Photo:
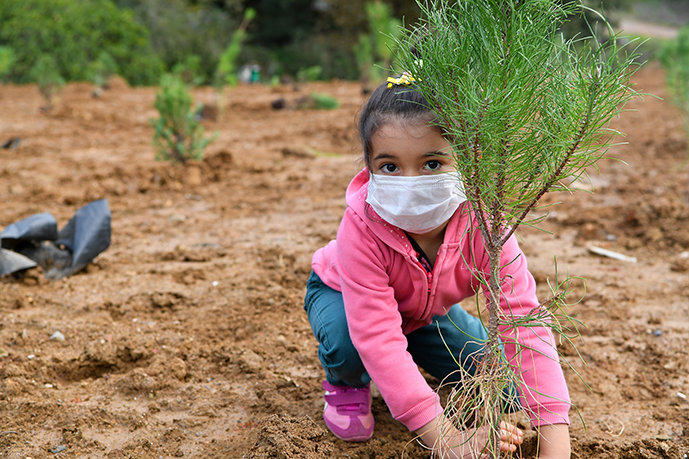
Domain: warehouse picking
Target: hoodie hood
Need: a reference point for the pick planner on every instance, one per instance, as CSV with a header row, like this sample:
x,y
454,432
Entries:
x,y
357,191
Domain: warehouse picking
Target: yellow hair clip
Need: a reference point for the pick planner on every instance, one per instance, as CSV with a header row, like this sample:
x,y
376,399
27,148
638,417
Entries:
x,y
405,79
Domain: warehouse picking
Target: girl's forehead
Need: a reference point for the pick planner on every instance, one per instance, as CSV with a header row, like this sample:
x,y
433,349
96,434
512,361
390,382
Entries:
x,y
400,127
406,125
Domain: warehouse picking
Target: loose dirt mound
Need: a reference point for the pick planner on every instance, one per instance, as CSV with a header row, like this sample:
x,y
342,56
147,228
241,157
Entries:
x,y
186,338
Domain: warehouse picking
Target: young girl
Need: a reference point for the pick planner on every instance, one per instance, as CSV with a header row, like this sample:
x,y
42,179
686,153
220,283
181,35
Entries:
x,y
394,275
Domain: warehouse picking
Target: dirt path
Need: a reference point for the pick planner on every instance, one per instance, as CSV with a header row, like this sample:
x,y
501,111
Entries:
x,y
186,337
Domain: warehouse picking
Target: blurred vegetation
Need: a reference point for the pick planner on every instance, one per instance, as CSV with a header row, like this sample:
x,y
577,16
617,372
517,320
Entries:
x,y
146,38
100,70
46,74
592,21
74,32
226,73
375,49
320,101
178,134
6,60
180,28
674,56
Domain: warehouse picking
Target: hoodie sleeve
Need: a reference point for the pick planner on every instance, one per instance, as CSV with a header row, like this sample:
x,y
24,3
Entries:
x,y
375,325
541,381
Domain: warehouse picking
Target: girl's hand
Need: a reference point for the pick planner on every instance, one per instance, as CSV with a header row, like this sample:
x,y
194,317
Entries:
x,y
554,442
449,443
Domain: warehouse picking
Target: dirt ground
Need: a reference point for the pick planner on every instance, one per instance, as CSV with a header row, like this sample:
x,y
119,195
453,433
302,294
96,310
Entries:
x,y
187,338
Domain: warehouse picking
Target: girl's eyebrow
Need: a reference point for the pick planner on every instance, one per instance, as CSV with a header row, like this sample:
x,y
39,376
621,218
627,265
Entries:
x,y
383,156
430,153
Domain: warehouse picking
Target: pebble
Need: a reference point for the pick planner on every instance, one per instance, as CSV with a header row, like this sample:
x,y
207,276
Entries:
x,y
57,336
657,332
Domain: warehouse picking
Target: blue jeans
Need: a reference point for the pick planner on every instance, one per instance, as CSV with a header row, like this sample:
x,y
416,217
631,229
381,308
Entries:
x,y
340,359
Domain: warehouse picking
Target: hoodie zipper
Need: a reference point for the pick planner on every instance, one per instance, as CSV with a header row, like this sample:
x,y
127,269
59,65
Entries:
x,y
429,282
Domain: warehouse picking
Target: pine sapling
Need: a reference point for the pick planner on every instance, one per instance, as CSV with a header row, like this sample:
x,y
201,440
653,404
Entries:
x,y
178,135
226,73
527,112
46,74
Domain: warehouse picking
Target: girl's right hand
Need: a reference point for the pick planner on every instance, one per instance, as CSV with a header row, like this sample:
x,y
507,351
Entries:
x,y
449,443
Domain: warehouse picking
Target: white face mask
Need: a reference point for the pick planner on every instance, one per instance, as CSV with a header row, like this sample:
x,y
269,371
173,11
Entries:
x,y
416,204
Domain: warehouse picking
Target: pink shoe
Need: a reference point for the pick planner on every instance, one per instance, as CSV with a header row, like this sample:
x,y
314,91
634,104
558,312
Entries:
x,y
348,412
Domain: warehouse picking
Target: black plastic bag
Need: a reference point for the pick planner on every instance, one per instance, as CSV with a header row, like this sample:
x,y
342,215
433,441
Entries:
x,y
62,253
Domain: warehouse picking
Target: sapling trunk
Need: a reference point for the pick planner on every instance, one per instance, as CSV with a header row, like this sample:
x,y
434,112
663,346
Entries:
x,y
527,112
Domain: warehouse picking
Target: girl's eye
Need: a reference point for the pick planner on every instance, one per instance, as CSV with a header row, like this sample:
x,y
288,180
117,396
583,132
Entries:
x,y
388,168
434,165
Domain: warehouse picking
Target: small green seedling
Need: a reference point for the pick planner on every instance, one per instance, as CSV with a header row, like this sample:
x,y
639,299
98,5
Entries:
x,y
321,101
178,135
46,75
226,73
100,71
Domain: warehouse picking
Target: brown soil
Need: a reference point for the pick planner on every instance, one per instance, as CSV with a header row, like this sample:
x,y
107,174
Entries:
x,y
186,338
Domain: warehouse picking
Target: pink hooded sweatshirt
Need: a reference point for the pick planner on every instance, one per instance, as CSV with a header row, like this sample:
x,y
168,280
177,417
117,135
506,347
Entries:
x,y
387,294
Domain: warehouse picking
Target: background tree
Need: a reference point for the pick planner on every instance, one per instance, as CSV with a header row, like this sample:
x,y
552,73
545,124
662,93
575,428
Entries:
x,y
181,28
74,32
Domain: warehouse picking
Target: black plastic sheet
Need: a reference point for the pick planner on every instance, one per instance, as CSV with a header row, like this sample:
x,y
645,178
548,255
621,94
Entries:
x,y
35,241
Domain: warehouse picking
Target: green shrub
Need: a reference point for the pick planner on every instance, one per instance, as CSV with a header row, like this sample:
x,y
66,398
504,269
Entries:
x,y
75,32
178,136
47,76
324,101
312,73
6,60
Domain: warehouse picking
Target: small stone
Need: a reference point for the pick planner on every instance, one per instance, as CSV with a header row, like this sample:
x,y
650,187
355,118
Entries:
x,y
58,449
57,336
657,332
